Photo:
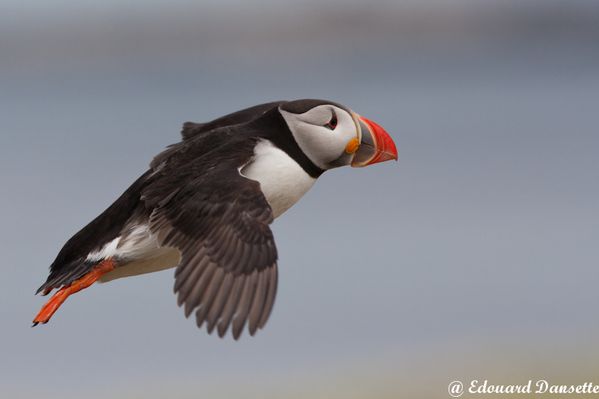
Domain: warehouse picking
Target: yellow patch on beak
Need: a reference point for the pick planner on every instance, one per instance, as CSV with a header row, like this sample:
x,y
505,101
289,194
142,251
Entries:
x,y
352,146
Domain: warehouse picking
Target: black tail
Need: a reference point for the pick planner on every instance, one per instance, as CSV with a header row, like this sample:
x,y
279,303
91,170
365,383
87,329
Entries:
x,y
71,262
65,275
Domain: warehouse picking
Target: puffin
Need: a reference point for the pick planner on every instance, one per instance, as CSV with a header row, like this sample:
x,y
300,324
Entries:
x,y
205,204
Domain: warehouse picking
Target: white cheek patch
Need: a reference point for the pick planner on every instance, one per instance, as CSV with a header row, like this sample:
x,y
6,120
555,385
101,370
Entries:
x,y
321,144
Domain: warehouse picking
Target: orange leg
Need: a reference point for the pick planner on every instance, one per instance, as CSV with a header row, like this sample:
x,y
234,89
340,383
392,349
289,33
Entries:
x,y
62,294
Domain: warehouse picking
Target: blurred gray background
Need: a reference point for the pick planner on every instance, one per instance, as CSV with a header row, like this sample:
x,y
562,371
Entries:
x,y
475,256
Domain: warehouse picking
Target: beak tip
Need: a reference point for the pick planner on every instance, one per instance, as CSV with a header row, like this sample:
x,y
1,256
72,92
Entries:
x,y
385,148
387,156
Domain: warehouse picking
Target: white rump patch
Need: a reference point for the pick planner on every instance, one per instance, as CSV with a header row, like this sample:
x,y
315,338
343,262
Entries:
x,y
165,258
107,251
138,248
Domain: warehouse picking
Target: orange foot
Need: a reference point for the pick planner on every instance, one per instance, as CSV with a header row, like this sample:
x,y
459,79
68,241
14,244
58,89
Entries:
x,y
62,294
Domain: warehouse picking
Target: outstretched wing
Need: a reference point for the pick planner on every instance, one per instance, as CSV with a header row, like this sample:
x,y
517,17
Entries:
x,y
219,221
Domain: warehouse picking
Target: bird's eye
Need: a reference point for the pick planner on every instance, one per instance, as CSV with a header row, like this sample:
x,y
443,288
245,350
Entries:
x,y
332,124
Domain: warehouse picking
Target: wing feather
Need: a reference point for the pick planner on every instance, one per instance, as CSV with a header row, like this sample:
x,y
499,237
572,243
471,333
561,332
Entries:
x,y
219,221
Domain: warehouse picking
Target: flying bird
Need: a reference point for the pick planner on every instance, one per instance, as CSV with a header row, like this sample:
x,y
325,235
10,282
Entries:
x,y
205,206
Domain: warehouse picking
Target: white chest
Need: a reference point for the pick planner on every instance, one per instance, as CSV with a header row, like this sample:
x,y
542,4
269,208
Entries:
x,y
281,179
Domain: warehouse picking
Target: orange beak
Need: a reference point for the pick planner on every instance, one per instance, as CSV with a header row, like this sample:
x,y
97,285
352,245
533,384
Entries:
x,y
375,145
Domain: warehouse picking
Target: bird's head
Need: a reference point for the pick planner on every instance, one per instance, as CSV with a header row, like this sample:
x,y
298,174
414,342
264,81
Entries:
x,y
332,135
